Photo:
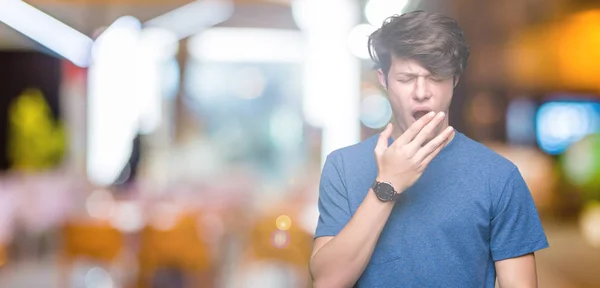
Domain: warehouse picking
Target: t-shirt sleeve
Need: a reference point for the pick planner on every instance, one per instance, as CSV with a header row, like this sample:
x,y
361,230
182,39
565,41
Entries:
x,y
334,209
516,228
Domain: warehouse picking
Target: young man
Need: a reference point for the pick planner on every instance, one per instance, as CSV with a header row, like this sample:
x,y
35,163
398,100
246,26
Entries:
x,y
422,205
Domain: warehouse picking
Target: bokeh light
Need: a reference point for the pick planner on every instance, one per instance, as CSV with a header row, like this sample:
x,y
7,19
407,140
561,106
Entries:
x,y
98,278
590,223
358,40
483,109
520,122
581,163
578,50
559,124
375,111
280,239
376,11
283,222
164,216
100,204
127,217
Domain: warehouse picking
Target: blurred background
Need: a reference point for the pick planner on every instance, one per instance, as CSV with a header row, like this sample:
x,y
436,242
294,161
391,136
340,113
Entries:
x,y
155,143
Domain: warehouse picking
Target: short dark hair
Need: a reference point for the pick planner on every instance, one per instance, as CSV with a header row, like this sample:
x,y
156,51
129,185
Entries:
x,y
433,40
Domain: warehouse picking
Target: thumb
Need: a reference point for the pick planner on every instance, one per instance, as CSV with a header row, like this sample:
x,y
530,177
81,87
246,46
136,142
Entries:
x,y
382,142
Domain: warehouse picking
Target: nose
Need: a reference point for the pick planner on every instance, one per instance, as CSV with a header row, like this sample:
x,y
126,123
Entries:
x,y
421,91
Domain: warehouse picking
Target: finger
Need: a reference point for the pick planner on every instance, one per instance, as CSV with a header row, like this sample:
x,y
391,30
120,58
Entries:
x,y
427,131
429,151
384,136
414,129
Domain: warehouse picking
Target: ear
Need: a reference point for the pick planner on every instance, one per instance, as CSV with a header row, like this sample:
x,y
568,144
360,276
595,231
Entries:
x,y
382,78
456,79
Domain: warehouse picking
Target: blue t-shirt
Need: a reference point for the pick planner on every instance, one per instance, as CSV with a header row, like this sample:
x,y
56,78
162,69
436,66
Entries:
x,y
470,207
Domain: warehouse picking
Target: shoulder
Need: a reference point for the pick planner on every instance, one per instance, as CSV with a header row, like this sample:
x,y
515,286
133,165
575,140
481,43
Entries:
x,y
483,160
494,172
353,168
355,155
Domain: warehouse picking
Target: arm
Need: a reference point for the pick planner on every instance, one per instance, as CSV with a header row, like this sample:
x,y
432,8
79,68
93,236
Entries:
x,y
518,272
516,233
339,261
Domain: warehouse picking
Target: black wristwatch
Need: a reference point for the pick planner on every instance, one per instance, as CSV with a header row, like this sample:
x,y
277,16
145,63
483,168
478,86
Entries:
x,y
384,191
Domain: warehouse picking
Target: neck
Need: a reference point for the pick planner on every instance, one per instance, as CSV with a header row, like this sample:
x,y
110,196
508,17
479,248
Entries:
x,y
397,132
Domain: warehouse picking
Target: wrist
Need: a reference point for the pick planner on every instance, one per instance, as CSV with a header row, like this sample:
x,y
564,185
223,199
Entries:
x,y
398,188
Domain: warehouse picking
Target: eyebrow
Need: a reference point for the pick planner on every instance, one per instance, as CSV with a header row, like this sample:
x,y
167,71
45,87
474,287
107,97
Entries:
x,y
409,74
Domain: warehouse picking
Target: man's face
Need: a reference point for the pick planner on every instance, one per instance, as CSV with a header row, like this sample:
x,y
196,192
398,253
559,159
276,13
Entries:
x,y
413,91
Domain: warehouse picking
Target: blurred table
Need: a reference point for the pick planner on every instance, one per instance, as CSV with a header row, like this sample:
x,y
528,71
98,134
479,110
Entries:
x,y
570,262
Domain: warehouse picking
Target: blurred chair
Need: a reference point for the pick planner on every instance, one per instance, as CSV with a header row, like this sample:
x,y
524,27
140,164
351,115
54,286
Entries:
x,y
3,257
174,253
277,240
269,243
91,240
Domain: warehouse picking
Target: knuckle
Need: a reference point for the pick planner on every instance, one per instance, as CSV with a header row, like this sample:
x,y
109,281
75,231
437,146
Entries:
x,y
431,146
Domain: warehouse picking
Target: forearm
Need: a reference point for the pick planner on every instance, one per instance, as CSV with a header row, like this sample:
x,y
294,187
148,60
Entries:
x,y
529,282
518,272
341,261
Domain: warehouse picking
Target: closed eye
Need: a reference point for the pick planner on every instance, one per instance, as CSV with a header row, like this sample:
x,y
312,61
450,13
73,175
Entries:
x,y
406,80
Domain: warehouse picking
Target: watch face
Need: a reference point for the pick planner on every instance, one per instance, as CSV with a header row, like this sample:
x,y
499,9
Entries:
x,y
385,191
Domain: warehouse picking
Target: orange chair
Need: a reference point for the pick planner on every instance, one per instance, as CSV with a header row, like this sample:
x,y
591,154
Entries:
x,y
2,255
179,247
268,242
97,241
